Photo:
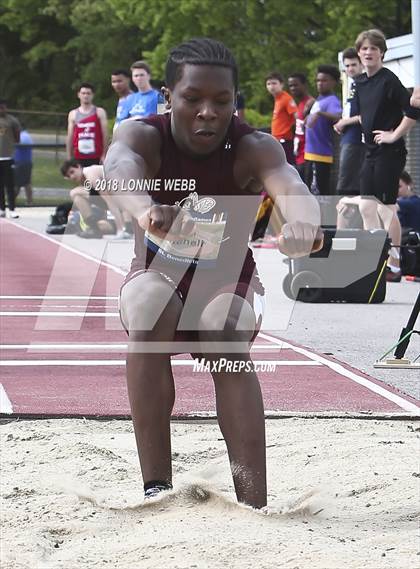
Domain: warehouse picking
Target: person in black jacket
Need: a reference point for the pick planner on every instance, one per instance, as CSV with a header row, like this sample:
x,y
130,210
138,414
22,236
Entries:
x,y
386,116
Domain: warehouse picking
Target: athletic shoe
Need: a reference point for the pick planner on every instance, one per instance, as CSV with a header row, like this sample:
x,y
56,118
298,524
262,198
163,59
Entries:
x,y
2,213
121,235
153,489
13,215
392,277
90,233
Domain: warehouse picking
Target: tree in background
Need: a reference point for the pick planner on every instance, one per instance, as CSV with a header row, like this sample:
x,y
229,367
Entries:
x,y
49,46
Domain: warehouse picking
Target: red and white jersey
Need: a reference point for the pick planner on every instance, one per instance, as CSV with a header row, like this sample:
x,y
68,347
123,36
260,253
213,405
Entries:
x,y
87,135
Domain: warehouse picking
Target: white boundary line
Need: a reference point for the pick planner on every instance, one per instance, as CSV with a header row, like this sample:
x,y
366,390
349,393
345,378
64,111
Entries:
x,y
41,314
190,363
71,249
95,347
5,404
399,401
52,297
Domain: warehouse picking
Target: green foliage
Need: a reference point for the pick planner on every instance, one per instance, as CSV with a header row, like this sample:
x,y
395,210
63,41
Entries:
x,y
48,46
259,120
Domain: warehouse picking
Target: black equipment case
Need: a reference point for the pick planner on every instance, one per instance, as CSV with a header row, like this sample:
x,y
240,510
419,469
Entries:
x,y
351,267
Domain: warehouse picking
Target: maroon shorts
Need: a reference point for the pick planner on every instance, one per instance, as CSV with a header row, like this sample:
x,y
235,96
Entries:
x,y
206,291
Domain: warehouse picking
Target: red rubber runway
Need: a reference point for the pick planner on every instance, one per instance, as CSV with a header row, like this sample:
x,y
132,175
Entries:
x,y
63,347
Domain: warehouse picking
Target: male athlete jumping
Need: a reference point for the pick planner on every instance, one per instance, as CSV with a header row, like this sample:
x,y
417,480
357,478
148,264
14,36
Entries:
x,y
193,278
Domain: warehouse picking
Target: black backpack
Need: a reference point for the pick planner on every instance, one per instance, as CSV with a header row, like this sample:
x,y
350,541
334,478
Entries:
x,y
58,220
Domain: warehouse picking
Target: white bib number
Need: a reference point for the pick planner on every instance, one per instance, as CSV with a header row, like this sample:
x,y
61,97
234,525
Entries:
x,y
86,145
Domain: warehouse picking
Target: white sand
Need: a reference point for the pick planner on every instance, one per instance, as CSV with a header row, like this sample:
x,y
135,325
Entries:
x,y
72,493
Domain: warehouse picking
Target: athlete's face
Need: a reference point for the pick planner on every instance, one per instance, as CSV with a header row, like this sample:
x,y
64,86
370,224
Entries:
x,y
352,67
75,173
120,84
274,86
141,79
325,84
296,87
85,96
203,103
370,56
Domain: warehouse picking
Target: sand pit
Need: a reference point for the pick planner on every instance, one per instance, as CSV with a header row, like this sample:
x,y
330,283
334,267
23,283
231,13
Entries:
x,y
343,493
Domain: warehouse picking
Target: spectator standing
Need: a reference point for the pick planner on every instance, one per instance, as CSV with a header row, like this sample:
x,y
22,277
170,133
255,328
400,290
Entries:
x,y
386,116
319,141
9,136
352,149
145,102
23,165
120,81
87,130
298,87
283,120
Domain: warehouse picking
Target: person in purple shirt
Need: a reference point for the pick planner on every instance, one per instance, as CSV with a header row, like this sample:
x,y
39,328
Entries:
x,y
319,131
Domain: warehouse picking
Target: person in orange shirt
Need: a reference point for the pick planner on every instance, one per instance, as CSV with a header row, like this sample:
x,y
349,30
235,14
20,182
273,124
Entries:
x,y
284,114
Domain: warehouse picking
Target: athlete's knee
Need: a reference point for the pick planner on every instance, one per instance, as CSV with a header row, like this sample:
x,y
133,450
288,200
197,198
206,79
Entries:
x,y
77,193
228,319
144,310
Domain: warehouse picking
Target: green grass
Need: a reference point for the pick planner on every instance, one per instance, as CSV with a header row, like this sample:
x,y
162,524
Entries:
x,y
46,173
41,201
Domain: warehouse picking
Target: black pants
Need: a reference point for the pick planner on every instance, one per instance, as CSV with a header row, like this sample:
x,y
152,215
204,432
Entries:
x,y
351,160
381,172
322,172
7,185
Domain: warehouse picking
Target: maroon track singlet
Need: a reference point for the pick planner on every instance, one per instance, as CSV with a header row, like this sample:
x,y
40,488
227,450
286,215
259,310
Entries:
x,y
217,253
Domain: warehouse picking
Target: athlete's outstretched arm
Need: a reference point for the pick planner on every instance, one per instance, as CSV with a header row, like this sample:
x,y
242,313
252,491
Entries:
x,y
133,156
125,161
300,234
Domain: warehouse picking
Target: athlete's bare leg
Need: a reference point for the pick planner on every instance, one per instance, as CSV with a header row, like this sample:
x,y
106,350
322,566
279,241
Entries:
x,y
80,199
239,404
116,212
149,375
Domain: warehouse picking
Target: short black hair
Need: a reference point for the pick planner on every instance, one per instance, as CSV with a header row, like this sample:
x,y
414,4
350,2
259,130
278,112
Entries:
x,y
198,51
330,70
121,72
406,178
350,53
86,86
72,163
300,76
274,75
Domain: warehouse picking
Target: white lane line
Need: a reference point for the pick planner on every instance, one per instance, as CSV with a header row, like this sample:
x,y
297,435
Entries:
x,y
27,363
63,314
381,391
53,297
5,404
94,347
72,249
